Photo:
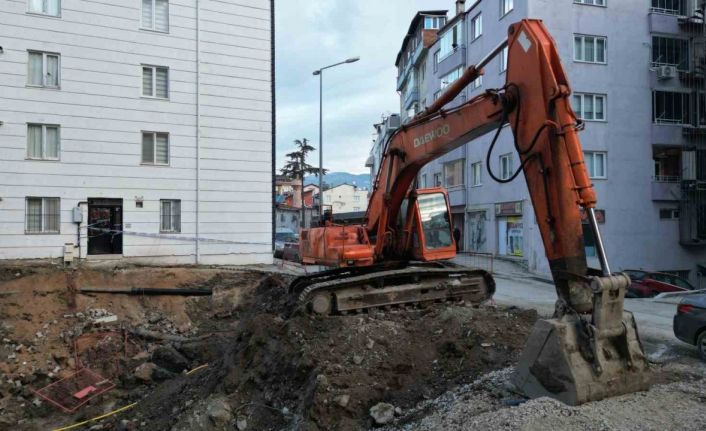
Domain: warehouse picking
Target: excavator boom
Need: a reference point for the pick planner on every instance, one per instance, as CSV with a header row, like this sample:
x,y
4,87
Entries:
x,y
590,349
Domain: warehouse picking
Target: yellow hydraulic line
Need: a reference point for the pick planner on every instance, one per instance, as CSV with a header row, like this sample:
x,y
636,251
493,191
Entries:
x,y
121,409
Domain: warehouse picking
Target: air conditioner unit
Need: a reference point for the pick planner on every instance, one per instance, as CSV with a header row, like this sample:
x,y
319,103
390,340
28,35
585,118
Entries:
x,y
666,72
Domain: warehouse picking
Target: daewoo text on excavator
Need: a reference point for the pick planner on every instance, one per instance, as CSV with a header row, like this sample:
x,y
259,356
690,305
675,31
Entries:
x,y
590,349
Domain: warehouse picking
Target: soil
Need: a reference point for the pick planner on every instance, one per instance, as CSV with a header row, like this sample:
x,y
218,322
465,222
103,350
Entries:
x,y
268,368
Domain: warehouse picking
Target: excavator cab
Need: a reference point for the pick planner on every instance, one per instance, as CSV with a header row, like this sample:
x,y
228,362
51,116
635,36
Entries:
x,y
433,232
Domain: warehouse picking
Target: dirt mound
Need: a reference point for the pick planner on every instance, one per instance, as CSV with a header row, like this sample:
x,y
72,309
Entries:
x,y
315,373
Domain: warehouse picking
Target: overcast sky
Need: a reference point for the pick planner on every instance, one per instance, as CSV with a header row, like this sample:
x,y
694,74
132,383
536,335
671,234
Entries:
x,y
311,34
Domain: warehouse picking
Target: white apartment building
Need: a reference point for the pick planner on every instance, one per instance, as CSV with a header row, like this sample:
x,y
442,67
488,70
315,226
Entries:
x,y
345,198
137,128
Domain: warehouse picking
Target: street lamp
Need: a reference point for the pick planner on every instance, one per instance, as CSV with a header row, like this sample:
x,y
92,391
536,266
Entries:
x,y
320,73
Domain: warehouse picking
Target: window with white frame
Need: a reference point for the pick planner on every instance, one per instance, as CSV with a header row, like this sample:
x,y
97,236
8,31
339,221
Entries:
x,y
596,163
155,148
669,213
451,77
670,7
434,22
453,173
155,15
437,179
590,107
43,141
45,7
155,82
42,215
423,182
506,6
506,166
503,60
450,40
170,215
590,49
43,69
591,2
670,107
670,51
476,174
356,198
356,208
477,83
436,61
477,26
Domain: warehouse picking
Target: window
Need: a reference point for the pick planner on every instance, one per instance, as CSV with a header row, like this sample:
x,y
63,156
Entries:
x,y
46,7
453,173
423,181
505,7
477,82
155,82
595,163
590,107
42,215
671,7
155,148
477,26
503,60
42,142
437,179
170,214
155,15
450,77
667,51
591,2
590,49
506,166
476,174
356,208
356,198
434,22
43,69
437,94
436,61
670,108
669,213
450,40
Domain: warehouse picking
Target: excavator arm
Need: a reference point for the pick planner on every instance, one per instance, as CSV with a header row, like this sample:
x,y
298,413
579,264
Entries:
x,y
590,349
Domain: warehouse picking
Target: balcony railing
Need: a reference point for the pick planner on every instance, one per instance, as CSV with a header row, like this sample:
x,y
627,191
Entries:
x,y
666,11
666,188
666,178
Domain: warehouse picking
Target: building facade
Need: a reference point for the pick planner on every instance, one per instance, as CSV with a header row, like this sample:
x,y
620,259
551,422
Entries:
x,y
345,198
140,129
637,72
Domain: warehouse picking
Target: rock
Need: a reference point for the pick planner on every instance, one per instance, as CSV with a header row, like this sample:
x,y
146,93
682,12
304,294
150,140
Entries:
x,y
486,344
219,412
106,319
159,374
321,380
144,371
143,355
241,424
370,344
343,400
382,413
357,359
168,358
398,411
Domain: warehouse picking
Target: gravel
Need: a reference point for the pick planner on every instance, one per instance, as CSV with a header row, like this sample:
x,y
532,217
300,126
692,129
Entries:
x,y
488,403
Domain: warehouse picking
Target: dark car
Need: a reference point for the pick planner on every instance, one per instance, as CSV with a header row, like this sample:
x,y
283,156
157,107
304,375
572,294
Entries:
x,y
647,284
690,322
291,252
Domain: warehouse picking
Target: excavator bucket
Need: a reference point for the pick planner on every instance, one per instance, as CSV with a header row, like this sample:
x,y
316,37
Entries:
x,y
576,359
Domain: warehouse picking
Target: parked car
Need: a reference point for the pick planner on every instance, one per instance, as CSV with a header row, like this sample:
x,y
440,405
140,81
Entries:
x,y
647,284
291,252
690,322
283,236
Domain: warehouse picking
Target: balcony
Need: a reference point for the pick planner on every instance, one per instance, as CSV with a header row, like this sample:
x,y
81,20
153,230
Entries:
x,y
410,63
411,97
663,21
666,188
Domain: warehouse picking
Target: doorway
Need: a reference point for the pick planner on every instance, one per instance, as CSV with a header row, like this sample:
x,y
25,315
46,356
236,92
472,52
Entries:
x,y
105,226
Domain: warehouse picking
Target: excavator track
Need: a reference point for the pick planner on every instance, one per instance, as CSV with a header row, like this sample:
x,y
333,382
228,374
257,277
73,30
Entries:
x,y
342,291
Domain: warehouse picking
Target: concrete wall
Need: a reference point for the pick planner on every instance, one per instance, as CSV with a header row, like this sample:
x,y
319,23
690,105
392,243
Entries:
x,y
635,236
346,198
101,113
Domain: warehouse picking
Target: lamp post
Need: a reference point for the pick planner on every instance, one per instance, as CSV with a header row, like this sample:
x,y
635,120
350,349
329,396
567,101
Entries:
x,y
320,72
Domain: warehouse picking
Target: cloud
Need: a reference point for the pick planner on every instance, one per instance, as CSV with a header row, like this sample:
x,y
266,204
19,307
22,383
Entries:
x,y
316,33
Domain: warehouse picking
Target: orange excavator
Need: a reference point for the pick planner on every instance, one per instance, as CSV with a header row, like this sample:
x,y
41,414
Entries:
x,y
590,349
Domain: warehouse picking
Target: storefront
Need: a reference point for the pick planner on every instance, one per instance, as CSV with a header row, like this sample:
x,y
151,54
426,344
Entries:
x,y
476,231
508,216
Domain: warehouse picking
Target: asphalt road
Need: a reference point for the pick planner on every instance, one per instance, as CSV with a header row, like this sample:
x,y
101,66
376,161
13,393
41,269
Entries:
x,y
654,318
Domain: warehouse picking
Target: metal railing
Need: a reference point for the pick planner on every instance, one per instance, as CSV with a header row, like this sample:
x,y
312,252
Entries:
x,y
666,178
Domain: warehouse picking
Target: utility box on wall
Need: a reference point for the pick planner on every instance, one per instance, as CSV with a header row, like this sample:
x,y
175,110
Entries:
x,y
77,215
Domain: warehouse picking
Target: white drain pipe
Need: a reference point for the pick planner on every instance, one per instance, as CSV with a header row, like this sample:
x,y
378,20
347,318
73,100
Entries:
x,y
198,129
